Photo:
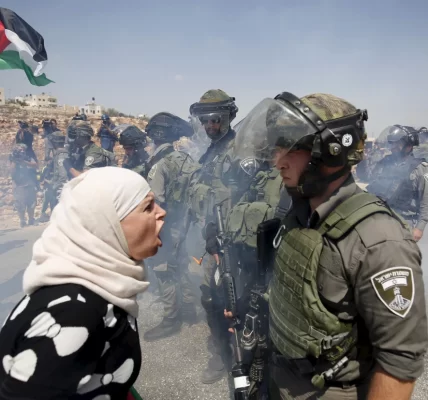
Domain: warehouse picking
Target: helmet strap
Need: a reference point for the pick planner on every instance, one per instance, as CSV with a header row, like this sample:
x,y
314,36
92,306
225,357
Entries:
x,y
312,183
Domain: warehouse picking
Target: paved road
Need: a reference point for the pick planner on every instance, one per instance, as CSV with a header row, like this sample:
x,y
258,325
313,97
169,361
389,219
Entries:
x,y
171,367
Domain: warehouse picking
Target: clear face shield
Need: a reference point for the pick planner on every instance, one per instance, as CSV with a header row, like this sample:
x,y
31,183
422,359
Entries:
x,y
270,126
390,137
214,124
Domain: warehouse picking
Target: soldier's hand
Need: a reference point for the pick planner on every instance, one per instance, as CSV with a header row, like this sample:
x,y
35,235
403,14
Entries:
x,y
210,236
229,315
67,164
417,234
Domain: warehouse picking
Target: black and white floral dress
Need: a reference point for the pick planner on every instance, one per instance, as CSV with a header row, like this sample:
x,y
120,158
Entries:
x,y
66,342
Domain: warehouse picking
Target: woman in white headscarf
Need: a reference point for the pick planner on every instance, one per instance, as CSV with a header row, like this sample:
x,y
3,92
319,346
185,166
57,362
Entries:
x,y
74,335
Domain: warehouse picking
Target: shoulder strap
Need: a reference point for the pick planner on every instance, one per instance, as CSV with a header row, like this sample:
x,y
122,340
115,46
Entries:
x,y
160,153
415,163
352,211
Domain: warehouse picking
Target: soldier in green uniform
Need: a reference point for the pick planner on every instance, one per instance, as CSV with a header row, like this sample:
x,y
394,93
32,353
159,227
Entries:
x,y
400,177
212,116
133,141
346,300
168,176
91,156
48,195
60,154
23,171
58,176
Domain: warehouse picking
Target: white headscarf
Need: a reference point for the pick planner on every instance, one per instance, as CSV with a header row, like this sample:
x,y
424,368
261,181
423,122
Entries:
x,y
84,242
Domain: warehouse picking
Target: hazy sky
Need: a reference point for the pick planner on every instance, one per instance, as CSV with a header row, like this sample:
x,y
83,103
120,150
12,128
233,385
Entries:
x,y
151,56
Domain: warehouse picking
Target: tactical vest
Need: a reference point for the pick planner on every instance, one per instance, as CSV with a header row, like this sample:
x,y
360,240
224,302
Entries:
x,y
393,184
59,173
267,187
208,189
259,206
181,168
300,325
109,158
23,175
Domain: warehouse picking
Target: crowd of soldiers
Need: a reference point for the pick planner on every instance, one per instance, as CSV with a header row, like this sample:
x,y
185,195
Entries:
x,y
333,311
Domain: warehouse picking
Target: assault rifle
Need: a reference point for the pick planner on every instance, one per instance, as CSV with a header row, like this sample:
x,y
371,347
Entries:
x,y
241,379
248,381
255,334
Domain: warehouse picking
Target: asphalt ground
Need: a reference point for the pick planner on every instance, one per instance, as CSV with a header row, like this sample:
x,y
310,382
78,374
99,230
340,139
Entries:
x,y
171,367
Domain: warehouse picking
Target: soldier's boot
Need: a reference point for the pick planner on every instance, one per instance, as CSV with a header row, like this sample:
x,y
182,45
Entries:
x,y
31,220
215,369
44,217
22,219
168,327
171,322
188,313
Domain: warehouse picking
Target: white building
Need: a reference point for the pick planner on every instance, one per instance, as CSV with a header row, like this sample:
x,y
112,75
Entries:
x,y
2,98
39,100
91,108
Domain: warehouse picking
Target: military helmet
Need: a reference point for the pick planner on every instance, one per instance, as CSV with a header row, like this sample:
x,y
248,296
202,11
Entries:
x,y
166,127
130,135
406,135
328,126
105,117
79,129
23,124
423,135
215,104
57,137
19,150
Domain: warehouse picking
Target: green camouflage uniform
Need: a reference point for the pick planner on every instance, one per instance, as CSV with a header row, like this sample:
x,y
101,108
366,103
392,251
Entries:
x,y
96,157
25,183
91,156
168,178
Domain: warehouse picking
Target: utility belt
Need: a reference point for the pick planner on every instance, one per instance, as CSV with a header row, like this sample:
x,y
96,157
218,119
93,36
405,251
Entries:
x,y
307,368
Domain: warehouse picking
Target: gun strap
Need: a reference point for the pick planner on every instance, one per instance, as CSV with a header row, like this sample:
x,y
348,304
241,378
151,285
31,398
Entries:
x,y
284,204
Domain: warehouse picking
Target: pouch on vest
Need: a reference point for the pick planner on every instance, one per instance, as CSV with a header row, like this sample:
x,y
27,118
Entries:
x,y
242,222
185,169
300,325
109,158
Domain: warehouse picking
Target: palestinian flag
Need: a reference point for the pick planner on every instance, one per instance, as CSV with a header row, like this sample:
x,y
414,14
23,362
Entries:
x,y
21,47
133,395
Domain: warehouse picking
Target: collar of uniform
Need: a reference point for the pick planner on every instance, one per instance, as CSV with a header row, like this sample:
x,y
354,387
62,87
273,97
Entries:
x,y
302,211
88,145
160,149
225,139
344,192
222,143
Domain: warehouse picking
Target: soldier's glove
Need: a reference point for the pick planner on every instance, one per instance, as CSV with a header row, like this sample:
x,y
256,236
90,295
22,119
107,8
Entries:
x,y
210,235
67,164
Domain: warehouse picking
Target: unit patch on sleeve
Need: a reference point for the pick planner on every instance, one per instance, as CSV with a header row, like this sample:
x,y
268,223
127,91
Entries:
x,y
395,288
